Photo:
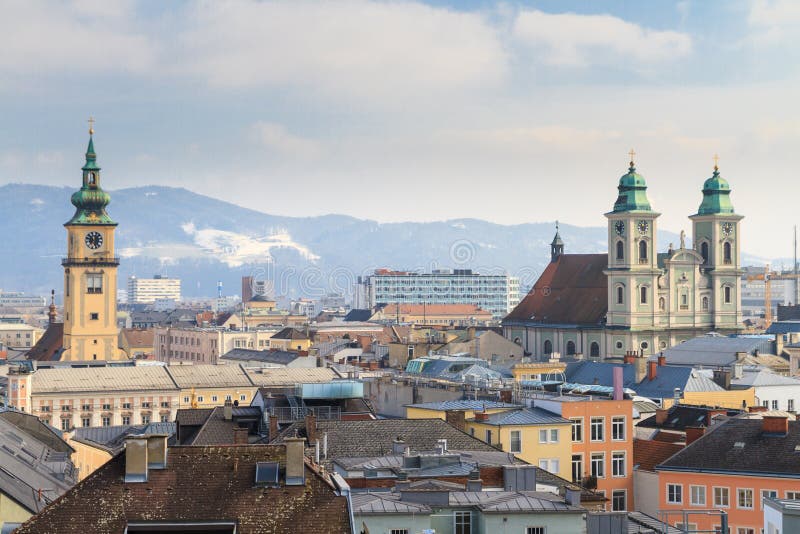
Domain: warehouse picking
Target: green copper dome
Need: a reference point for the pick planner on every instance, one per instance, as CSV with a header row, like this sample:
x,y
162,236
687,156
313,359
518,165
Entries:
x,y
632,192
90,200
716,196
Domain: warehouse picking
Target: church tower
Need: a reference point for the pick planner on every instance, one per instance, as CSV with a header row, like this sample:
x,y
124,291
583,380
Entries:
x,y
715,230
557,246
632,260
90,272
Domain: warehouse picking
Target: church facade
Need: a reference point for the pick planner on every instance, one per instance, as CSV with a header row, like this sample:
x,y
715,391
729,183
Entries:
x,y
635,298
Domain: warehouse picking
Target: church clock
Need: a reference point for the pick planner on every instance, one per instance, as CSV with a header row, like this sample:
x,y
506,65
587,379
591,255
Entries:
x,y
619,227
643,227
727,229
94,240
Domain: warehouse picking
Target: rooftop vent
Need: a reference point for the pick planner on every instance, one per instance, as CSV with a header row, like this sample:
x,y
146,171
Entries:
x,y
738,445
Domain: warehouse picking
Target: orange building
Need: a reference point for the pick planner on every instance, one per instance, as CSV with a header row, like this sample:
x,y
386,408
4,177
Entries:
x,y
602,442
733,468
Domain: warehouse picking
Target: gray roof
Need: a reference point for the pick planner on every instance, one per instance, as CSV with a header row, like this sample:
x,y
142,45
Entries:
x,y
384,503
763,377
714,351
28,465
525,416
112,438
278,357
463,405
468,459
784,327
485,501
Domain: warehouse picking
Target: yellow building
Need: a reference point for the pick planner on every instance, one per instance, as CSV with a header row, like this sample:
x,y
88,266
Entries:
x,y
87,456
290,339
90,273
137,343
533,435
207,386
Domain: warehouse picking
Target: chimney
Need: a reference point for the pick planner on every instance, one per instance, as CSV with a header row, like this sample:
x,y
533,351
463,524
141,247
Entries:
x,y
710,414
136,458
629,357
474,482
240,435
470,333
662,360
757,409
723,378
402,481
481,416
456,419
652,370
441,446
693,433
640,364
398,445
311,426
661,415
572,495
295,461
157,451
775,424
505,395
618,383
227,410
273,427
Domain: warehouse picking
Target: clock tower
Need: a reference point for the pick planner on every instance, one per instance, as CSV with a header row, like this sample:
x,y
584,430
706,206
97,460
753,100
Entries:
x,y
90,272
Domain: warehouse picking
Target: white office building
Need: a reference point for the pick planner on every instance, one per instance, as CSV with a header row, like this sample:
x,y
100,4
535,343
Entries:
x,y
148,290
496,293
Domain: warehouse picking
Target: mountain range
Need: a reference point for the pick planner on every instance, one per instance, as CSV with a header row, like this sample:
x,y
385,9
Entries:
x,y
201,240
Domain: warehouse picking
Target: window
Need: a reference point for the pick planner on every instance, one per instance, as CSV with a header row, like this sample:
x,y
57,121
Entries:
x,y
186,400
721,497
745,530
106,421
543,436
126,420
744,498
794,495
536,530
620,295
213,398
94,316
165,404
618,464
790,405
705,303
577,467
45,408
489,437
65,424
618,428
200,398
597,428
549,464
704,252
94,283
570,348
399,531
577,430
662,304
553,435
726,253
727,294
620,251
86,407
697,495
675,493
106,406
598,465
462,522
684,301
618,499
145,419
85,422
227,397
548,347
774,405
768,494
594,349
516,441
165,419
242,397
642,251
643,295
126,405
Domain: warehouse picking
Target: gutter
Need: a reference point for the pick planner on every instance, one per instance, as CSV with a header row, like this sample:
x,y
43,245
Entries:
x,y
344,490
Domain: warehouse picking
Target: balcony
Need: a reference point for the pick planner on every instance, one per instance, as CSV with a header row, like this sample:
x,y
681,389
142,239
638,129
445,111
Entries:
x,y
107,261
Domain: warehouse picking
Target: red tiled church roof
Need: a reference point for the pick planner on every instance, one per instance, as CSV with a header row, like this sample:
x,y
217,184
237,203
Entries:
x,y
48,347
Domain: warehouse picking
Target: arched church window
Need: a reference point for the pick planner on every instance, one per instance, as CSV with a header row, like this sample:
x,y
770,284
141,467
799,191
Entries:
x,y
662,304
705,303
594,349
726,253
620,251
548,347
570,348
643,295
704,252
642,251
620,295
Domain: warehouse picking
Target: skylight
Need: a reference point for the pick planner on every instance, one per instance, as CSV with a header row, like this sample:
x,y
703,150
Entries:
x,y
267,474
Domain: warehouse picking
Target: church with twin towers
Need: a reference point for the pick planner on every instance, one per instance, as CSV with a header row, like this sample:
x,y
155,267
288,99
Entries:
x,y
640,296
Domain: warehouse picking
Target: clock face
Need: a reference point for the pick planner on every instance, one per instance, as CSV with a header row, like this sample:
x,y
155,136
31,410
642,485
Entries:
x,y
619,227
93,240
727,228
643,227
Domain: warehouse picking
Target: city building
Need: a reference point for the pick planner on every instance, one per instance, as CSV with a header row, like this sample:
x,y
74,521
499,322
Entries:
x,y
635,298
150,290
206,344
735,468
781,515
498,294
252,287
137,343
433,314
242,489
290,339
19,335
269,358
17,299
35,467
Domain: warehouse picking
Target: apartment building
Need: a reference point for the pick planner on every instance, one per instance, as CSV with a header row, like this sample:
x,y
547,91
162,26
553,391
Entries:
x,y
206,344
149,290
19,335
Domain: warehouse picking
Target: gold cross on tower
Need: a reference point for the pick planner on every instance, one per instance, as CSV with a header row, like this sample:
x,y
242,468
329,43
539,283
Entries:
x,y
716,162
631,154
91,125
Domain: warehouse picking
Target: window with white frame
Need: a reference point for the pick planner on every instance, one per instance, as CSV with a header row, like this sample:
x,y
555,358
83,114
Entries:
x,y
697,495
618,464
722,498
462,521
516,441
577,430
744,498
598,464
768,494
793,495
618,500
553,435
94,283
597,428
618,428
745,530
790,405
775,405
675,493
577,467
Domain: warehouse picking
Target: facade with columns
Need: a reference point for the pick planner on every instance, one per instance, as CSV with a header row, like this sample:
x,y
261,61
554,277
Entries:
x,y
635,298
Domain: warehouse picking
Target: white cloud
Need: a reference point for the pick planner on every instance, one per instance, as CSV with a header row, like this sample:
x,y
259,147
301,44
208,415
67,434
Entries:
x,y
773,21
276,138
525,139
570,39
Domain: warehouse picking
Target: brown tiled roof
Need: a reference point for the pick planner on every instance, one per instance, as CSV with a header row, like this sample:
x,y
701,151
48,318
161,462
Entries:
x,y
571,290
669,437
49,346
138,337
647,454
290,333
199,484
192,416
434,309
216,430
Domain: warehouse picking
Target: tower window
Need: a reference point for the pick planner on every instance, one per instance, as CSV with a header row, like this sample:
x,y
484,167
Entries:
x,y
643,295
662,304
704,252
726,253
684,301
94,283
548,347
705,303
620,295
642,251
620,251
94,316
727,294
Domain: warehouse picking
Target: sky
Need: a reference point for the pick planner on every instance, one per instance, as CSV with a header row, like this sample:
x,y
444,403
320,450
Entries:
x,y
510,112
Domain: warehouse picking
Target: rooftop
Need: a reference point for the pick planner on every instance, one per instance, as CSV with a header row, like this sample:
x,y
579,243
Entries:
x,y
525,416
276,357
475,405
